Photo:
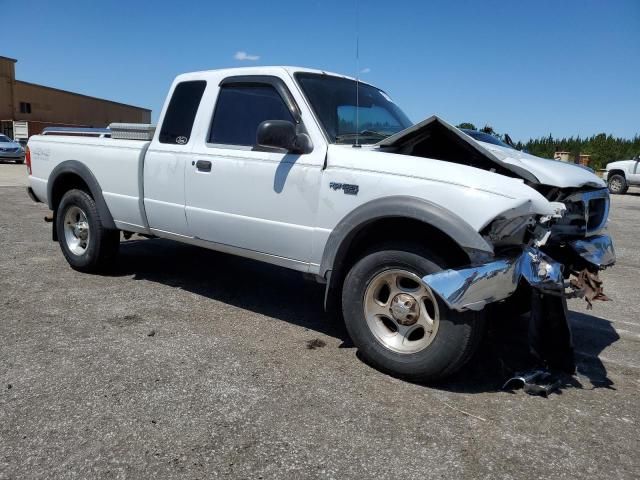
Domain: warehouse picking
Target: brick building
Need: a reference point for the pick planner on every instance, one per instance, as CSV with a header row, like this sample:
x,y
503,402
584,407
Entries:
x,y
26,108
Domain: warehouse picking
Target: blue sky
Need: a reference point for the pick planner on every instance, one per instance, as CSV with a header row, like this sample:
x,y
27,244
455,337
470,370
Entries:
x,y
526,68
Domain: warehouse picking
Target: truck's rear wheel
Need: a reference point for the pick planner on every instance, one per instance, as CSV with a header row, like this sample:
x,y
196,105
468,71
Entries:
x,y
85,243
398,324
617,184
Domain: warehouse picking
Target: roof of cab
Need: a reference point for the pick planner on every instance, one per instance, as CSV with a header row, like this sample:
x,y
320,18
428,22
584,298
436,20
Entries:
x,y
262,70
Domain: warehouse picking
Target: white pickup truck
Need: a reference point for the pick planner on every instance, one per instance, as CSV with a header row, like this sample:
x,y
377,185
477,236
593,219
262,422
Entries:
x,y
623,174
414,228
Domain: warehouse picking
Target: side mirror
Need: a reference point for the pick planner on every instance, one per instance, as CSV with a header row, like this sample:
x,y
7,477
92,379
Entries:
x,y
282,134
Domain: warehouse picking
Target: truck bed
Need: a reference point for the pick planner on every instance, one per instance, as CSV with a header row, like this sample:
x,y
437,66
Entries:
x,y
118,164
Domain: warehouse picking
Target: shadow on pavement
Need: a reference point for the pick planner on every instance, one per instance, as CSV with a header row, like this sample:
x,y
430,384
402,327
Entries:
x,y
505,351
591,335
251,285
280,293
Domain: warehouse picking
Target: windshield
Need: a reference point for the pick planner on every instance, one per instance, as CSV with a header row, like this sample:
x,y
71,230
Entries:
x,y
371,117
4,139
486,138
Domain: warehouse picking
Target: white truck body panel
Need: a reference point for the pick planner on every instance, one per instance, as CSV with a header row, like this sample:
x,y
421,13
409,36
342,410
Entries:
x,y
164,194
117,165
435,180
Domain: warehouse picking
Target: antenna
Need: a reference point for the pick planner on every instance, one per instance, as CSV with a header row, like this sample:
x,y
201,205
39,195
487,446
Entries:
x,y
357,144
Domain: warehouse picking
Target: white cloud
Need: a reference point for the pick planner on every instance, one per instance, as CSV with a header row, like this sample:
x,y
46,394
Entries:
x,y
244,56
365,70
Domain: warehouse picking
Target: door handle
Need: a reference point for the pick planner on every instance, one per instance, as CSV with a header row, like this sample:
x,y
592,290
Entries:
x,y
203,165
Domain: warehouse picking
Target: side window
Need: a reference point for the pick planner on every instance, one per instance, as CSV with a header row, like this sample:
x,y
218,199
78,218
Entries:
x,y
25,107
241,108
178,121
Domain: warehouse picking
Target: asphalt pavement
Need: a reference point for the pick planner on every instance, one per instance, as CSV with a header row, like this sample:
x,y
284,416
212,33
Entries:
x,y
186,363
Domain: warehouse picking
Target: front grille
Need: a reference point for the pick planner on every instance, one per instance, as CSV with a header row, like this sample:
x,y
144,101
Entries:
x,y
586,213
596,204
596,214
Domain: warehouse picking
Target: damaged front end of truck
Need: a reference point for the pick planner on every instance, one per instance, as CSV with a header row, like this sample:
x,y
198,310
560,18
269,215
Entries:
x,y
551,270
548,256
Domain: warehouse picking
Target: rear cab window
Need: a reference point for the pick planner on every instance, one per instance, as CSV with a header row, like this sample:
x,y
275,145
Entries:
x,y
181,112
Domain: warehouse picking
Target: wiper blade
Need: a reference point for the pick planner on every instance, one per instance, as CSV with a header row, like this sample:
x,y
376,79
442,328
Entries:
x,y
362,134
373,132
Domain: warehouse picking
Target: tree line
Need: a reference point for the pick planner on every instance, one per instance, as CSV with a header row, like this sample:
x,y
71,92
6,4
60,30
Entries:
x,y
603,148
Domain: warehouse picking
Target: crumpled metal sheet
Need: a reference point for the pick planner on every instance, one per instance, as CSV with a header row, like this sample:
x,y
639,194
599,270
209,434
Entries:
x,y
588,285
534,382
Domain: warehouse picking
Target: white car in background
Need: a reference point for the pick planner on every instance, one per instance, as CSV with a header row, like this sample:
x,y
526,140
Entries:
x,y
10,150
622,174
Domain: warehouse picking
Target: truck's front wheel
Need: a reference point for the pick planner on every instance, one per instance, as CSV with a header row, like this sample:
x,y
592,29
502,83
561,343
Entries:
x,y
85,243
398,324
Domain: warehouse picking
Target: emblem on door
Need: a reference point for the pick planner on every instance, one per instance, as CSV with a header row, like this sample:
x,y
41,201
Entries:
x,y
181,140
347,188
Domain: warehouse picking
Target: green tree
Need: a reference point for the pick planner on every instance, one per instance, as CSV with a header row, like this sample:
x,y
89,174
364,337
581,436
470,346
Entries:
x,y
603,148
467,126
488,129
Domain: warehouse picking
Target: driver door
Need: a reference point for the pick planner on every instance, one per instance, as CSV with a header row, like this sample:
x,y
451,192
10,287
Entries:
x,y
247,197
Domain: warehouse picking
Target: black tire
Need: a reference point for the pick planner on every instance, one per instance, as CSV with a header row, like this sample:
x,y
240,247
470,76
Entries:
x,y
102,246
617,184
457,337
20,161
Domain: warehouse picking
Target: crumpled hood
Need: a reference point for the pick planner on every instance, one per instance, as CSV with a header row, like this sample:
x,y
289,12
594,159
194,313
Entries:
x,y
445,137
548,172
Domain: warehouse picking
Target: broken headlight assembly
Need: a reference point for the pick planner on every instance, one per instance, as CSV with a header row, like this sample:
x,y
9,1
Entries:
x,y
525,229
509,231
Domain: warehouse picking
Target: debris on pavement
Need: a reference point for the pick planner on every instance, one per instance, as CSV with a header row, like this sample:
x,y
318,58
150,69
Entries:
x,y
534,382
463,412
315,343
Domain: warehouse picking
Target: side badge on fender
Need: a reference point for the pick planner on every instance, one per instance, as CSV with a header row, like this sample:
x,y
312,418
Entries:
x,y
347,188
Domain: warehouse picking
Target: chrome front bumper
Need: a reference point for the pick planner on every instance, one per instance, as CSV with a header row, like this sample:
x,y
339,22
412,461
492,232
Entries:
x,y
596,250
474,287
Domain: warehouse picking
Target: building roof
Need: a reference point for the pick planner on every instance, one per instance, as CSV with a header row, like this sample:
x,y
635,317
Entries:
x,y
82,95
72,93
